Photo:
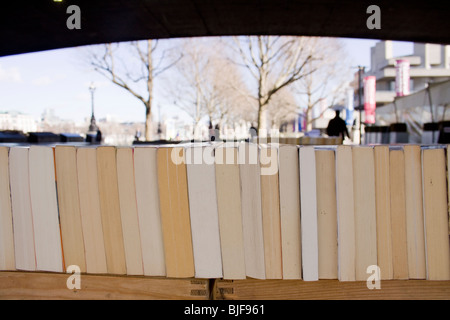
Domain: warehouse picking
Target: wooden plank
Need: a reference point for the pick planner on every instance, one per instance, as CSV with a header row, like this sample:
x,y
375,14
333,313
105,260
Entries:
x,y
252,289
52,286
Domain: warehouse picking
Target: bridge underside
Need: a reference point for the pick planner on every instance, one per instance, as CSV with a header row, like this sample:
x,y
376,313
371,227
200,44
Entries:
x,y
41,25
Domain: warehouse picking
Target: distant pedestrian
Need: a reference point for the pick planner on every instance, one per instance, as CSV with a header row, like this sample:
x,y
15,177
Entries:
x,y
217,132
253,132
98,137
137,136
212,132
337,127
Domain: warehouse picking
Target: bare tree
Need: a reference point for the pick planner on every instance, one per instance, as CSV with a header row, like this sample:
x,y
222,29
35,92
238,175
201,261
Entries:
x,y
190,86
204,83
135,73
326,79
273,62
227,104
282,108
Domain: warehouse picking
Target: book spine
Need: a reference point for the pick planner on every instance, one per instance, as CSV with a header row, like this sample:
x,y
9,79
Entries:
x,y
345,214
308,201
435,214
365,210
110,210
44,206
69,207
7,259
383,212
148,206
230,213
290,212
271,213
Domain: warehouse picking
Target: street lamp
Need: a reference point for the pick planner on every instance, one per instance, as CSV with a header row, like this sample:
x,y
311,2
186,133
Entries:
x,y
159,122
360,96
361,70
93,126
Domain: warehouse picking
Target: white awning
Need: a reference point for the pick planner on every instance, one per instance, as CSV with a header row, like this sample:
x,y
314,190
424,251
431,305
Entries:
x,y
440,96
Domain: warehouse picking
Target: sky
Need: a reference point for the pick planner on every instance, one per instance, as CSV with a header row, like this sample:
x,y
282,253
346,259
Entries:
x,y
60,80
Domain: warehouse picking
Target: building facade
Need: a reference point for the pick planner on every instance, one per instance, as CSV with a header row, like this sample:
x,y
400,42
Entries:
x,y
13,120
429,63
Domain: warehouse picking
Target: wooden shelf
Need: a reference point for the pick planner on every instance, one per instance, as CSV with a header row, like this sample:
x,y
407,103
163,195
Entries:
x,y
52,286
329,290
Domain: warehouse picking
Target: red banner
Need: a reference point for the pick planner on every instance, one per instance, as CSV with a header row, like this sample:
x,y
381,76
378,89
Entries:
x,y
369,99
402,77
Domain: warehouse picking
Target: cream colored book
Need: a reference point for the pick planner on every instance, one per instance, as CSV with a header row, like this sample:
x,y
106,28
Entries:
x,y
147,199
270,197
69,206
175,220
252,221
308,203
345,213
398,213
128,211
365,211
110,210
448,185
44,207
203,210
437,251
326,214
383,211
230,212
7,259
414,212
289,179
24,250
90,212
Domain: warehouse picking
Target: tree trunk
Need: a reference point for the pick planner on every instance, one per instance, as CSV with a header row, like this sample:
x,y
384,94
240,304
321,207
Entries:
x,y
262,121
262,116
148,107
148,124
308,119
258,125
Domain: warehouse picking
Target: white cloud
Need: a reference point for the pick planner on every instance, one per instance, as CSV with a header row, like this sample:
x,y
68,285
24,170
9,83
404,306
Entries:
x,y
10,74
42,81
83,96
98,84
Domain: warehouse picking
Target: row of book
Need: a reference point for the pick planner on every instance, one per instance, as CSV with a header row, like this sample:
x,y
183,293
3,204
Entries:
x,y
227,211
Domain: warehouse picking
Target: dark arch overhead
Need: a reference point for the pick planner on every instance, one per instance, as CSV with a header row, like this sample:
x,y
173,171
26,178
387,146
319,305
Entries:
x,y
27,26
